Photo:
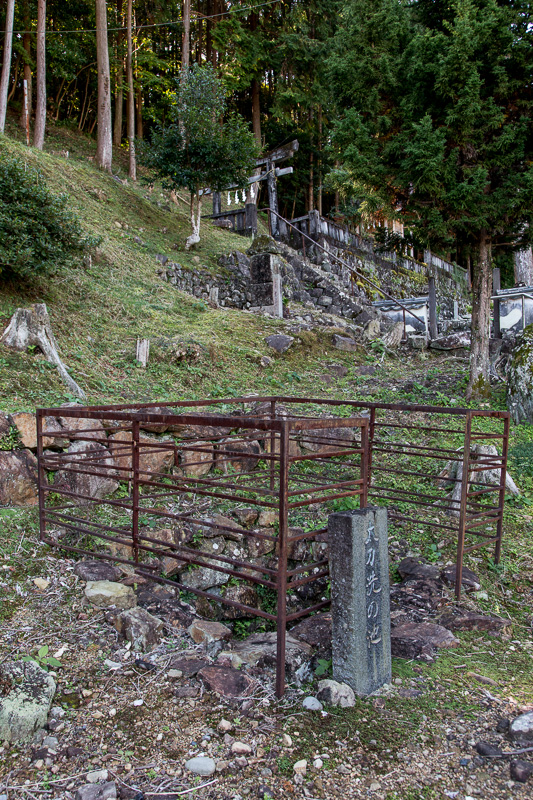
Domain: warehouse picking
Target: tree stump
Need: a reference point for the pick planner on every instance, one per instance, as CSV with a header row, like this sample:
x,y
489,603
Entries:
x,y
31,327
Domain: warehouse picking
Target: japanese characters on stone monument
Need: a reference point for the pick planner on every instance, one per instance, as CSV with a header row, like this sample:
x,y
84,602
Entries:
x,y
360,601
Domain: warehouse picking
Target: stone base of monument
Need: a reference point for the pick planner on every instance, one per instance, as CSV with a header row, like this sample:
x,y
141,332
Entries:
x,y
360,599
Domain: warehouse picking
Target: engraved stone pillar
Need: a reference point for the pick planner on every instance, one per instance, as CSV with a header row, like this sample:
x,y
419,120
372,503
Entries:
x,y
360,600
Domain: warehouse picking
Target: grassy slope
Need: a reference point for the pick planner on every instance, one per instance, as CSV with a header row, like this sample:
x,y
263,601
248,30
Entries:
x,y
98,312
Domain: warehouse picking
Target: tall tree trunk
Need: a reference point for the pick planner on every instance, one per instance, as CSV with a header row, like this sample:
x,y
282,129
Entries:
x,y
186,41
104,146
25,116
523,267
6,62
40,79
479,381
131,96
256,111
119,87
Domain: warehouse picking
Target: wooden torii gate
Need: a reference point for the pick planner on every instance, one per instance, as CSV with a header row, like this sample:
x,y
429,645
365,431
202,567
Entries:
x,y
270,172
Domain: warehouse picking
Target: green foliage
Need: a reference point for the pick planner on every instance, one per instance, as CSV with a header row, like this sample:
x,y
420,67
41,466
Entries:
x,y
323,667
201,147
11,439
38,232
43,659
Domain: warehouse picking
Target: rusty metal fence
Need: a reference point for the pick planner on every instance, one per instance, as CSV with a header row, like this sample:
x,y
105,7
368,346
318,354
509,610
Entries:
x,y
171,491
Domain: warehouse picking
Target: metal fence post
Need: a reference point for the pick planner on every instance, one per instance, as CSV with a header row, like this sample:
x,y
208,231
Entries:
x,y
135,489
462,513
281,620
501,495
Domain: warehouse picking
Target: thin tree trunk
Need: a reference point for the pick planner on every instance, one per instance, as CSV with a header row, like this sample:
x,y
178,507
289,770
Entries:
x,y
186,45
320,160
6,63
15,81
119,87
131,97
104,146
139,112
40,79
81,121
479,382
523,267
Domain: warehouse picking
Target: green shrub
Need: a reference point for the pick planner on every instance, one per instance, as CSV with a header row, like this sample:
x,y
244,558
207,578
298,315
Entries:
x,y
39,234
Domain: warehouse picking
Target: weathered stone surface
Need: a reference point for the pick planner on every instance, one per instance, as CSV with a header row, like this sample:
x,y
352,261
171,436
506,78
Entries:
x,y
521,771
413,568
204,630
315,631
97,571
454,341
241,749
197,462
344,343
82,428
140,628
25,423
469,579
522,727
226,681
106,594
188,666
371,330
25,699
420,640
94,791
237,456
153,456
246,595
246,516
394,336
487,750
204,577
259,650
18,478
201,765
336,694
279,342
312,704
471,621
4,424
258,547
326,440
96,486
520,379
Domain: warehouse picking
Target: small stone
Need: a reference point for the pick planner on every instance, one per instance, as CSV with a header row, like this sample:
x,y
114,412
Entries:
x,y
201,765
224,725
279,342
97,571
318,763
222,765
241,749
138,702
203,630
265,773
41,583
106,594
312,704
91,791
522,727
57,712
502,726
344,343
175,673
336,694
266,361
287,740
140,628
375,786
97,776
241,761
521,771
485,749
300,768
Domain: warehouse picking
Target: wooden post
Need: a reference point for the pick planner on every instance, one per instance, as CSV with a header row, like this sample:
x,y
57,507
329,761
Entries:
x,y
250,221
143,351
217,203
433,332
496,285
273,199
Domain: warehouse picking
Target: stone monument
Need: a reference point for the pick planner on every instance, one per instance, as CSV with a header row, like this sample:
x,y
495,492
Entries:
x,y
360,598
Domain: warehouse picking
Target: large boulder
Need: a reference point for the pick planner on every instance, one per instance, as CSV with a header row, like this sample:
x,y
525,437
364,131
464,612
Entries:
x,y
76,478
18,478
108,594
140,628
26,425
26,694
520,379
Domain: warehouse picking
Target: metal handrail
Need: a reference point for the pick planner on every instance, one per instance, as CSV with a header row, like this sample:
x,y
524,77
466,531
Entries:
x,y
352,270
